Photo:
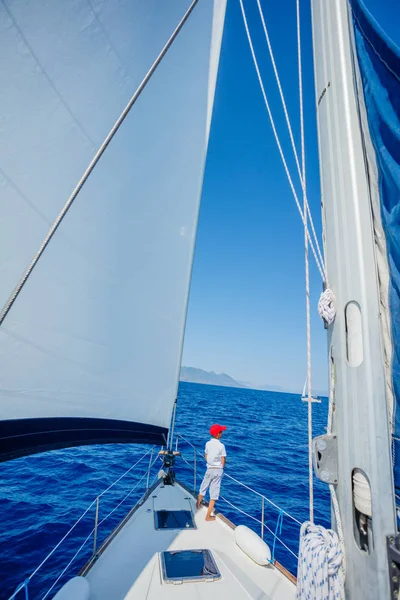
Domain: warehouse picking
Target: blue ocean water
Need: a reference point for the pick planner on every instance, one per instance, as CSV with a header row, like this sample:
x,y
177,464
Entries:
x,y
41,496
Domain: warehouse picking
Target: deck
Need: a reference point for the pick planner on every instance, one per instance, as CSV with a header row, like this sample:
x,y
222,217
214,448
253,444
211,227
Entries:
x,y
128,566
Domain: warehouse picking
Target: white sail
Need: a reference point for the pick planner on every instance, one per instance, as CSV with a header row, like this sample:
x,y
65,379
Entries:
x,y
90,350
304,395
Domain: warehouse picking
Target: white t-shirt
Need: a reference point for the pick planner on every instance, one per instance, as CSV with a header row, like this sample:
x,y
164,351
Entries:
x,y
214,450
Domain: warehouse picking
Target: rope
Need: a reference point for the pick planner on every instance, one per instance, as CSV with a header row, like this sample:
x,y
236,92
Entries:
x,y
278,531
265,498
319,573
226,475
68,565
320,266
25,583
123,499
332,489
24,277
307,270
126,473
281,514
289,126
61,541
309,388
331,397
100,523
326,307
130,492
322,549
274,534
326,304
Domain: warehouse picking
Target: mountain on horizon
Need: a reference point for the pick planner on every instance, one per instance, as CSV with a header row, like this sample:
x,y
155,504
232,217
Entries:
x,y
194,375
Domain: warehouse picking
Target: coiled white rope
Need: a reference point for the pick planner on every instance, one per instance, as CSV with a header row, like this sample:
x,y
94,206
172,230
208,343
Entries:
x,y
319,574
326,307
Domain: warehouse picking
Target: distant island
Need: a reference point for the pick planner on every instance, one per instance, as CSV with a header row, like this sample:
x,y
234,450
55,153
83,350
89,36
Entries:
x,y
194,375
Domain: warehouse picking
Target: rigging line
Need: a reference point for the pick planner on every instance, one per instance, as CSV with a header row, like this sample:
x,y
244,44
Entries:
x,y
61,541
274,534
307,270
124,498
320,268
289,126
300,71
126,473
332,489
68,565
83,514
226,475
93,164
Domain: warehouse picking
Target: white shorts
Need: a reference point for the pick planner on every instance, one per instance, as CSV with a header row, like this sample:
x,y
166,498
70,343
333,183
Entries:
x,y
212,480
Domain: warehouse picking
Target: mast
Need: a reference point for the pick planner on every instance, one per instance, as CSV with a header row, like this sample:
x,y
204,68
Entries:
x,y
356,354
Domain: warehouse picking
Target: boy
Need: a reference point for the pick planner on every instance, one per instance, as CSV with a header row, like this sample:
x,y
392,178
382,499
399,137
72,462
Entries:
x,y
215,455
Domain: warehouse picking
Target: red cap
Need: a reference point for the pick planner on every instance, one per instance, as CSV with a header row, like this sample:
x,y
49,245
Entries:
x,y
216,429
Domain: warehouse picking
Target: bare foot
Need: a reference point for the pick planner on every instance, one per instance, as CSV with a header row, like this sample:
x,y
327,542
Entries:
x,y
198,505
210,518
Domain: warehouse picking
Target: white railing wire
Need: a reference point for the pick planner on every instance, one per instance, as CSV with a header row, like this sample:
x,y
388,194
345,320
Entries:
x,y
69,564
100,523
146,473
94,530
242,484
235,507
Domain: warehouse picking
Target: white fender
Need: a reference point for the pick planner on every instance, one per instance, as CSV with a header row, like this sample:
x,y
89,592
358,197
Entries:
x,y
76,588
252,545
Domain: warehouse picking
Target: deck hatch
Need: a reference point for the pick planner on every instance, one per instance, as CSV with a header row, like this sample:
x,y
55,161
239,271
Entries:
x,y
174,519
188,566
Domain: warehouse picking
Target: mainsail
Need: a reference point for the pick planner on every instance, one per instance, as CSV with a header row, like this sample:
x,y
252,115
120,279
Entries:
x,y
379,97
90,350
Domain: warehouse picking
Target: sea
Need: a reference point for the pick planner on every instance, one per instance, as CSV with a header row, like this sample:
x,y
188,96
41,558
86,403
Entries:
x,y
42,496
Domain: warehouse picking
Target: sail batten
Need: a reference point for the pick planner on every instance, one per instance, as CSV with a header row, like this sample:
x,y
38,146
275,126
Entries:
x,y
96,332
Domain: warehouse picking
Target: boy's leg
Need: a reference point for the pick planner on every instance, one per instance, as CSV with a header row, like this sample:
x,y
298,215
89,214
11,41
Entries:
x,y
205,484
210,510
215,486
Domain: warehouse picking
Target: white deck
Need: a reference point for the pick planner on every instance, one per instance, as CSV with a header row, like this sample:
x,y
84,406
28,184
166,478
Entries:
x,y
129,566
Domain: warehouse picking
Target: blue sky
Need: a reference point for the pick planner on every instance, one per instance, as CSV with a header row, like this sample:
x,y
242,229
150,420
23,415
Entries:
x,y
246,312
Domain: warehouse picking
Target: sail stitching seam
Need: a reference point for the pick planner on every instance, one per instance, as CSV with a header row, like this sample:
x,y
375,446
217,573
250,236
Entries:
x,y
93,164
